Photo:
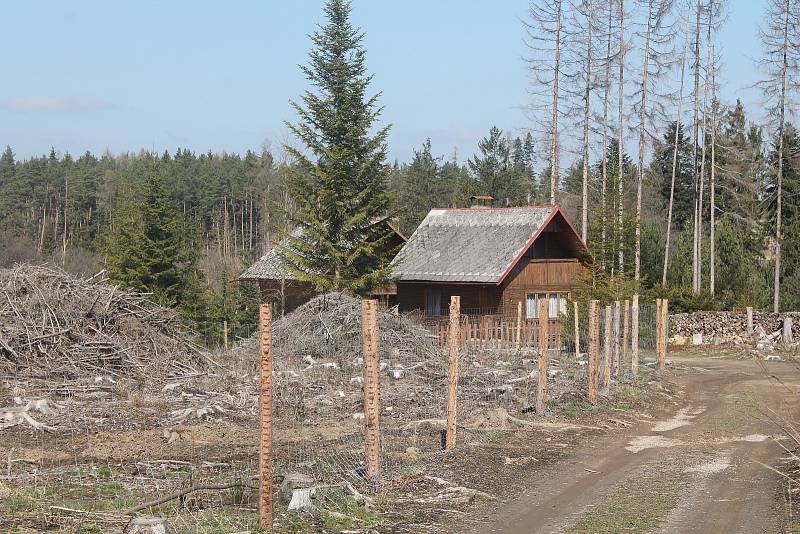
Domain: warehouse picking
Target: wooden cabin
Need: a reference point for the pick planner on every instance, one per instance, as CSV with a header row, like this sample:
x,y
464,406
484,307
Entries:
x,y
494,258
280,287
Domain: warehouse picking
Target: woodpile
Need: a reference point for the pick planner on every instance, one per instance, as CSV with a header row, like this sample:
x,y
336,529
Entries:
x,y
720,327
54,325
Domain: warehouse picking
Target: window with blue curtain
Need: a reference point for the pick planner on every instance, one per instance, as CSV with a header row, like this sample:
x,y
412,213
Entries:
x,y
433,302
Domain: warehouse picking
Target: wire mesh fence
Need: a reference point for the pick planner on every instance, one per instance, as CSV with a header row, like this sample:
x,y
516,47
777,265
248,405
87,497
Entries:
x,y
189,447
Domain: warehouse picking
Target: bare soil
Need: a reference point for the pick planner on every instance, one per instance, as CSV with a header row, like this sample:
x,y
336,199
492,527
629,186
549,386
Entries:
x,y
698,468
672,452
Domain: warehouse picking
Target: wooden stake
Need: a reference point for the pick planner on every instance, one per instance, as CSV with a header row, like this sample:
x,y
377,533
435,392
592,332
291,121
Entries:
x,y
594,348
452,386
265,404
659,335
625,328
577,329
616,334
607,351
664,330
541,383
635,334
519,325
372,409
749,322
225,333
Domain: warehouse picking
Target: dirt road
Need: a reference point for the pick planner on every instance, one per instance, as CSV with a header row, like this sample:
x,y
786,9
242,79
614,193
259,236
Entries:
x,y
694,470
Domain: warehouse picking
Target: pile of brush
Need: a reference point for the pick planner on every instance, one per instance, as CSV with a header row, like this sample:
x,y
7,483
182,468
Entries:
x,y
54,325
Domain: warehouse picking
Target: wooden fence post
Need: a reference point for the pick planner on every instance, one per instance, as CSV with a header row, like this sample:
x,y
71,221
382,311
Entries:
x,y
635,334
607,351
576,311
786,334
265,412
594,348
519,325
452,385
541,383
659,333
372,409
625,328
664,327
615,332
749,332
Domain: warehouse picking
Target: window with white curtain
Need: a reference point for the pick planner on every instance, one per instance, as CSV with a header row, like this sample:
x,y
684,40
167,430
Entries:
x,y
556,304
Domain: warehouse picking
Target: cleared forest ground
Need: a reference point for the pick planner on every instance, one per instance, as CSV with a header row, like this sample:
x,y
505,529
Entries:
x,y
677,455
95,431
109,451
698,467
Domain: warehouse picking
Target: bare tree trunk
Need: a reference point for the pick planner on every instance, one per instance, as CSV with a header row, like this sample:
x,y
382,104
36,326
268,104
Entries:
x,y
40,245
776,296
604,162
250,240
696,126
642,118
674,163
701,197
554,126
713,218
621,58
64,237
586,106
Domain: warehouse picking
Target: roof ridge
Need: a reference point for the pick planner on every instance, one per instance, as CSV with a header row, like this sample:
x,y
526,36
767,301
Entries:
x,y
483,209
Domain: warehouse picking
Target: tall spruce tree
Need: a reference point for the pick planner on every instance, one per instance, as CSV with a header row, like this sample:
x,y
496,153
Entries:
x,y
420,187
146,250
339,188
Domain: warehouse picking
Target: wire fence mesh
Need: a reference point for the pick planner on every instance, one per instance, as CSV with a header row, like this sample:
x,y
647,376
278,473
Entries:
x,y
201,432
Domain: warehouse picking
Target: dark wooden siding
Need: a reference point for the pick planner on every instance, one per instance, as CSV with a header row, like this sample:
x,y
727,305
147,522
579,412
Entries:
x,y
548,266
411,295
291,294
540,276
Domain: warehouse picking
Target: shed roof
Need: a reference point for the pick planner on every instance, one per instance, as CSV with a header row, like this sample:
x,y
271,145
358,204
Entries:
x,y
475,244
272,265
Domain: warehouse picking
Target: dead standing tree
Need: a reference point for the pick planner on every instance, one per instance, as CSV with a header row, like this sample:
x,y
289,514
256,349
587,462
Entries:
x,y
621,133
713,12
545,38
583,54
675,159
779,67
715,16
607,61
698,215
656,41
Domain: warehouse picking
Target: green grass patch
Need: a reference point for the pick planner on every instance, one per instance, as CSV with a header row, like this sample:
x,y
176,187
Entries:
x,y
638,505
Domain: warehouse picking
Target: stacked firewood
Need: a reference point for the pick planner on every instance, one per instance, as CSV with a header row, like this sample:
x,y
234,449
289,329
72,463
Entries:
x,y
730,326
55,325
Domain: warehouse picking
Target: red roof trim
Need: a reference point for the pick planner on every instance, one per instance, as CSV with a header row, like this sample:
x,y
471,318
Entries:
x,y
530,241
496,209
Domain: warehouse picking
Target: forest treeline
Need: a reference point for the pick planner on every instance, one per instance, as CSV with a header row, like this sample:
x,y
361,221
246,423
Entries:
x,y
228,209
698,203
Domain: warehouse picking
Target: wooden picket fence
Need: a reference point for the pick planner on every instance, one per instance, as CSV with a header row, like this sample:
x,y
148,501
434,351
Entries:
x,y
495,331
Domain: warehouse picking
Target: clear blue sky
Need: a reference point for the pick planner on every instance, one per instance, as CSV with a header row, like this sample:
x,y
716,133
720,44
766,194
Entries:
x,y
218,75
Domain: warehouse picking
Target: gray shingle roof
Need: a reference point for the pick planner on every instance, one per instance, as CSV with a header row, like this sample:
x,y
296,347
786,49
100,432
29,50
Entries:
x,y
468,245
270,266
